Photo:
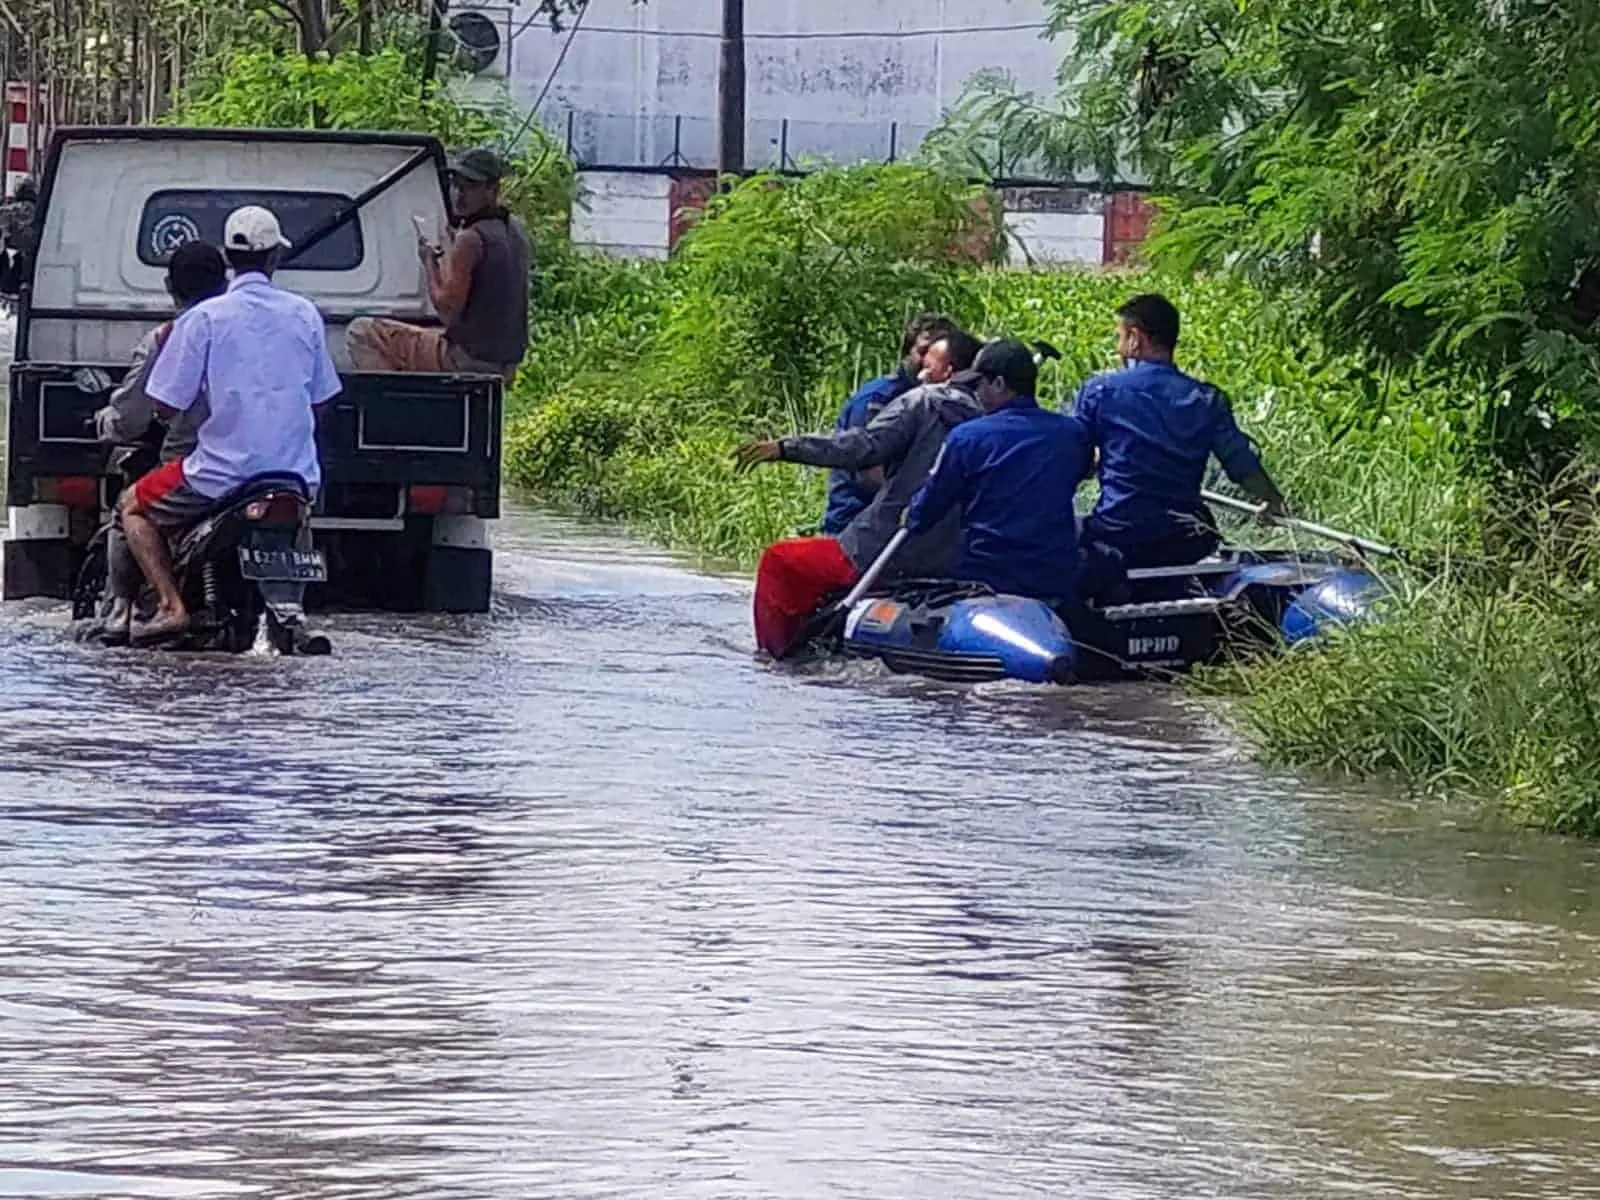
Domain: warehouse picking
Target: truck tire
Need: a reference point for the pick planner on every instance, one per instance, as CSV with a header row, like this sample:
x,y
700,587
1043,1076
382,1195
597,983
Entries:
x,y
457,579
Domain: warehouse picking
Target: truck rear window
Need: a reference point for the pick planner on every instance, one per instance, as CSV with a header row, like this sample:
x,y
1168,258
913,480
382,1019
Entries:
x,y
181,215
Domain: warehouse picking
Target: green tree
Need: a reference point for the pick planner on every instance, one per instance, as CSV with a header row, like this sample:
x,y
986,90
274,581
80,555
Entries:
x,y
126,61
1427,169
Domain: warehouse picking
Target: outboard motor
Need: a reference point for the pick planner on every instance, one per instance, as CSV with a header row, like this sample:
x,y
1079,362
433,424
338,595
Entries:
x,y
1343,598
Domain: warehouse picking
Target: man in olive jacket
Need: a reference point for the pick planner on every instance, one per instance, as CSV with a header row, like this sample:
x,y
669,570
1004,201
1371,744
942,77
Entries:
x,y
797,575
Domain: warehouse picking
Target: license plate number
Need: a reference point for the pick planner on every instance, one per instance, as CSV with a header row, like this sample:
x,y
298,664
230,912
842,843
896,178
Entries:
x,y
282,566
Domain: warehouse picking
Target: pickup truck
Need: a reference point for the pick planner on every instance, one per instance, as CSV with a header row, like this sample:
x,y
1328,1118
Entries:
x,y
411,463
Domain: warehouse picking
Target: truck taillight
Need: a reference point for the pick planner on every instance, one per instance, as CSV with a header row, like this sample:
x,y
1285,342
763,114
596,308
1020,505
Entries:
x,y
431,500
280,508
74,491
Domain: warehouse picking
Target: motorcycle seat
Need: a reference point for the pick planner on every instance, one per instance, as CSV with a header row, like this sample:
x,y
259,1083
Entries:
x,y
259,485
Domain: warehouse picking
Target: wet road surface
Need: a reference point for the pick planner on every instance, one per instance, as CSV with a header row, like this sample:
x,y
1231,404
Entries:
x,y
576,900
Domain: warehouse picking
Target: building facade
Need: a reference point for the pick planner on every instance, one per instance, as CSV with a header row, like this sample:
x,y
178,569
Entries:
x,y
827,80
631,90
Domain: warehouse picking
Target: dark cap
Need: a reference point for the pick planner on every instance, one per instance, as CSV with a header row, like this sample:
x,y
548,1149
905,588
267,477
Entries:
x,y
478,165
1003,359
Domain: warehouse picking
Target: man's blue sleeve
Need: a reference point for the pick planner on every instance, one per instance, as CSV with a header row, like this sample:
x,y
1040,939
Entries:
x,y
946,486
1086,406
1082,466
864,404
1230,443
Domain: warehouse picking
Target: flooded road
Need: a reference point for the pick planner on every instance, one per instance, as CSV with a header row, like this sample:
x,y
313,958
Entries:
x,y
577,901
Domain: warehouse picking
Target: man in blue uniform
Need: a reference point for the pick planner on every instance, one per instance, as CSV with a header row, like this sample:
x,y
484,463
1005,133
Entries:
x,y
849,492
1154,428
1011,474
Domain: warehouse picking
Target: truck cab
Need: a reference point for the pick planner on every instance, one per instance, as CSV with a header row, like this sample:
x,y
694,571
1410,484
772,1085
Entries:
x,y
411,463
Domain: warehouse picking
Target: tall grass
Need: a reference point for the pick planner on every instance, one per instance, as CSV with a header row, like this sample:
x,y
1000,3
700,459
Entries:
x,y
1482,679
1466,686
623,389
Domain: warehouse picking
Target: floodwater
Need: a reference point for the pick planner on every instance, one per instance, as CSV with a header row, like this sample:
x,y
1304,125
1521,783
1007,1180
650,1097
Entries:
x,y
577,900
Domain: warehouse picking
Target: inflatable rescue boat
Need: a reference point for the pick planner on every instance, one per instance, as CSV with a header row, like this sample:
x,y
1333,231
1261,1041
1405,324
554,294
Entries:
x,y
1174,618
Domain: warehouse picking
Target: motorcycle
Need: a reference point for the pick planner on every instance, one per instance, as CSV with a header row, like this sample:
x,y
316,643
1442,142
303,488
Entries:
x,y
243,570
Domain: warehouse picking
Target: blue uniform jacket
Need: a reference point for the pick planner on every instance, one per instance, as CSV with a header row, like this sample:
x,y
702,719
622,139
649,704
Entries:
x,y
1155,427
846,496
1013,475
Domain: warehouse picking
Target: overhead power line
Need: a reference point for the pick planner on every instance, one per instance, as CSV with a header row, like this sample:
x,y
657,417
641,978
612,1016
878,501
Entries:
x,y
820,35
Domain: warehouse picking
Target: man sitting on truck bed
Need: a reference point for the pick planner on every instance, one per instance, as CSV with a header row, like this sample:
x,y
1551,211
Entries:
x,y
260,356
195,272
478,283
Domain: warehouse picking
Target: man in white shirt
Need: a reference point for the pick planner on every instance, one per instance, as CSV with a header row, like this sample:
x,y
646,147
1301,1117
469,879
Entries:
x,y
260,355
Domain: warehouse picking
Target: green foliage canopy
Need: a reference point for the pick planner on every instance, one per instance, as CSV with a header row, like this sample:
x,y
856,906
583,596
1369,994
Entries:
x,y
1428,170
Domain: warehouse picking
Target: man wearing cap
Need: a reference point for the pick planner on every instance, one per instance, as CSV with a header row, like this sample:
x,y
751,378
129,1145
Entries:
x,y
1012,475
477,282
260,357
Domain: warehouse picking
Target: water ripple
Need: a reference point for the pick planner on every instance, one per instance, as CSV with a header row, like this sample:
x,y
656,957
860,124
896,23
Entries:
x,y
577,900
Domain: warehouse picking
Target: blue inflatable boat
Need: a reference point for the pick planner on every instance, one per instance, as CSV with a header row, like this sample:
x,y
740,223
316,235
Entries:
x,y
1174,618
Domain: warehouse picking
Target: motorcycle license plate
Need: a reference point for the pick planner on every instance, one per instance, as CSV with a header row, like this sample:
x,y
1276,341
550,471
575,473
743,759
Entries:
x,y
282,566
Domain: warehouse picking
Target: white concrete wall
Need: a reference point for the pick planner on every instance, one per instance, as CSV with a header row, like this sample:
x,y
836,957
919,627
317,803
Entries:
x,y
1054,225
1054,237
623,214
630,215
632,68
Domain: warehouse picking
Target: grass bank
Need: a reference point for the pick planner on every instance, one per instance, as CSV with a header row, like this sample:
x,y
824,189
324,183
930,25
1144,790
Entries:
x,y
783,299
649,374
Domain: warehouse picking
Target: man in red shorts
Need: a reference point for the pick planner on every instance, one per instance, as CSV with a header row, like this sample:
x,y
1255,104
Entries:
x,y
797,575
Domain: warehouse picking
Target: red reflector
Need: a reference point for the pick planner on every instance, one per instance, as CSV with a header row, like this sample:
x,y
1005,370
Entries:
x,y
280,508
432,500
74,491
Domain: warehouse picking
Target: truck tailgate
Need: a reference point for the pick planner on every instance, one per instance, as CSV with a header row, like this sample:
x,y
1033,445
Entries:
x,y
50,432
388,430
382,434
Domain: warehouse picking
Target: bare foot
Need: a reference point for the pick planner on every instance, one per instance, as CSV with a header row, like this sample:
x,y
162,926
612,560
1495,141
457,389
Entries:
x,y
165,623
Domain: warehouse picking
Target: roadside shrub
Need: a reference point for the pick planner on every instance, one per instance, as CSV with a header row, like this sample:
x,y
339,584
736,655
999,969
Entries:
x,y
1482,682
782,278
566,446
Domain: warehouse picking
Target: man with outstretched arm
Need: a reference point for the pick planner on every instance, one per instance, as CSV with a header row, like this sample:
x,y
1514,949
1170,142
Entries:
x,y
260,356
1154,428
1011,475
850,491
797,575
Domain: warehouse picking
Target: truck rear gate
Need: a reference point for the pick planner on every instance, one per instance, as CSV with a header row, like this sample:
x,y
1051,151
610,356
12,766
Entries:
x,y
397,451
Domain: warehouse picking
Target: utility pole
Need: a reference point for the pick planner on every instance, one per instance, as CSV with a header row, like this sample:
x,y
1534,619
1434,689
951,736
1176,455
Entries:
x,y
438,12
730,91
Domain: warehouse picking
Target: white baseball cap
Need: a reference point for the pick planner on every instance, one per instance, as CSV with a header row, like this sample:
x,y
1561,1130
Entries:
x,y
253,228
